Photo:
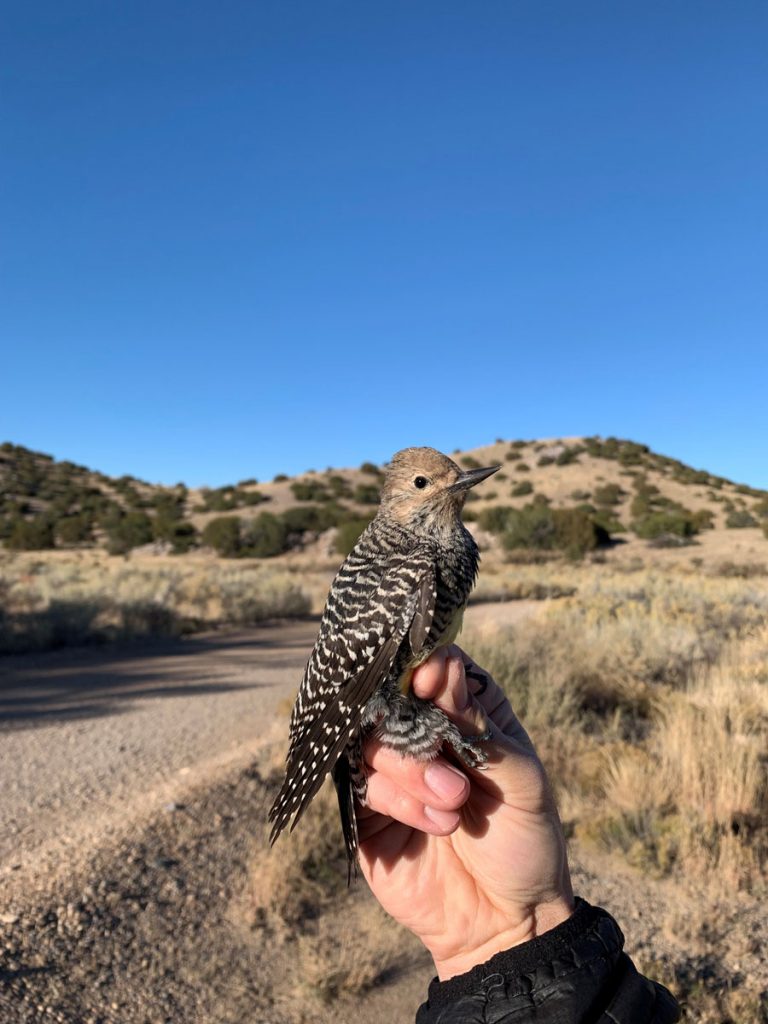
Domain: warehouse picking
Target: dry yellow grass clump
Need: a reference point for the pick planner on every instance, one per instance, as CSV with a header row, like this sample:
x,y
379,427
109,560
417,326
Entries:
x,y
334,941
648,695
76,599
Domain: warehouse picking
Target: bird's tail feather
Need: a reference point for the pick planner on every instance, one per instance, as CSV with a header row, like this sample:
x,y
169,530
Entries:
x,y
342,779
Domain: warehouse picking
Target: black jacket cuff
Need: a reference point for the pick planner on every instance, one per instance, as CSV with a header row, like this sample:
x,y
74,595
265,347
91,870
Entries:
x,y
574,973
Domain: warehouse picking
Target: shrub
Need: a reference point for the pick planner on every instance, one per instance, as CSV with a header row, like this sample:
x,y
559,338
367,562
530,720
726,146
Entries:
x,y
704,519
663,522
339,486
546,460
371,468
513,456
469,461
608,494
179,533
130,530
569,455
740,519
348,534
570,530
309,490
522,467
31,535
521,489
367,494
75,529
312,517
495,520
264,537
223,535
279,478
251,498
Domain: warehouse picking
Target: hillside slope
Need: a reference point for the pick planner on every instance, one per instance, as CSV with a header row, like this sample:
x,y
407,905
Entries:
x,y
622,488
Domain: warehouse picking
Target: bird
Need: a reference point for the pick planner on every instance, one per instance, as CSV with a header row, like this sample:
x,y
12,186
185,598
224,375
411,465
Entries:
x,y
398,596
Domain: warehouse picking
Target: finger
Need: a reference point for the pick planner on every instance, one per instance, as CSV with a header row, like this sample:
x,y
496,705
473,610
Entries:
x,y
385,797
434,783
442,679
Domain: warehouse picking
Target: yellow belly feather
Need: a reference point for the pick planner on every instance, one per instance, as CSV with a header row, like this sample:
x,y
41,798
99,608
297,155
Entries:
x,y
450,633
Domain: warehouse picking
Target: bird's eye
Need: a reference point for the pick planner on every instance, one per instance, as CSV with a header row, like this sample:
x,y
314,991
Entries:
x,y
420,482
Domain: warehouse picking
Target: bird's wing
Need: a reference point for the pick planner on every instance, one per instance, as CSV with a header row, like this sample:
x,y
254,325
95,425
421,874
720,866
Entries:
x,y
361,633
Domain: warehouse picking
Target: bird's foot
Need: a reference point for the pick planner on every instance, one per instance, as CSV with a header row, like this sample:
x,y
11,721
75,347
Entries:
x,y
469,749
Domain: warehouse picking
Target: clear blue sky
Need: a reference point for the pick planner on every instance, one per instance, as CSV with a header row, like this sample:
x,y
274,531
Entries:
x,y
248,237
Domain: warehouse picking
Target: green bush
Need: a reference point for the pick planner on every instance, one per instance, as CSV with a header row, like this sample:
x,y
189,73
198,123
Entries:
x,y
279,478
522,467
608,494
309,490
31,535
570,530
223,535
75,529
264,537
367,494
513,456
665,522
313,517
339,486
521,489
740,519
546,460
251,498
371,468
469,461
127,531
569,455
704,519
179,533
495,520
348,534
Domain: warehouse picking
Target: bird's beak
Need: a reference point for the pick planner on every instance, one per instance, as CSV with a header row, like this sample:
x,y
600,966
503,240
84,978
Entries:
x,y
472,477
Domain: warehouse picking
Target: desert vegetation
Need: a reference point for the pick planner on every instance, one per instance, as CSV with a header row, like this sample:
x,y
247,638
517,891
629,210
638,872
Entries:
x,y
647,694
46,604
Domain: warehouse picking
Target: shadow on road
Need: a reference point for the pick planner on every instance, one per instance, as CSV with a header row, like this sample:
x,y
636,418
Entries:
x,y
36,689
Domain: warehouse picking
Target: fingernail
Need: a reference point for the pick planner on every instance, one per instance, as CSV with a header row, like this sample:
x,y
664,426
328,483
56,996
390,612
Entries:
x,y
445,781
443,819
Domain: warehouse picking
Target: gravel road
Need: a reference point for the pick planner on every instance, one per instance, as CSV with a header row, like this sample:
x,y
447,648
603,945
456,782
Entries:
x,y
93,740
135,783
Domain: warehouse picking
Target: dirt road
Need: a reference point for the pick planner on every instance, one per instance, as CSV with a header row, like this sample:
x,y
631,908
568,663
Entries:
x,y
90,740
93,740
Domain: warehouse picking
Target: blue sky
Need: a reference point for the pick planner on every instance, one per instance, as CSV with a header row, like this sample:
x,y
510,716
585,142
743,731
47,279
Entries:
x,y
243,238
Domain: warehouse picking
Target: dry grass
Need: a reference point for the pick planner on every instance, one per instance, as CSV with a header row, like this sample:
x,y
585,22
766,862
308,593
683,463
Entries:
x,y
649,696
338,941
86,598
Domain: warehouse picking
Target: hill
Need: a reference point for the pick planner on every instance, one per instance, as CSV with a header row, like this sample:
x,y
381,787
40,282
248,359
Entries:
x,y
572,495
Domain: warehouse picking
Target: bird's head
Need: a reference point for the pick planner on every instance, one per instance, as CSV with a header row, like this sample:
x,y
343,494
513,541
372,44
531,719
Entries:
x,y
425,490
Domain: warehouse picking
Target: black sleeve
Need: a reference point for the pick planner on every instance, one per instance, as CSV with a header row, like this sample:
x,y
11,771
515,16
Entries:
x,y
576,973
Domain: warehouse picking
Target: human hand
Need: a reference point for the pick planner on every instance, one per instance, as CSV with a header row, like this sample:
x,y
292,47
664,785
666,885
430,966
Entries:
x,y
472,861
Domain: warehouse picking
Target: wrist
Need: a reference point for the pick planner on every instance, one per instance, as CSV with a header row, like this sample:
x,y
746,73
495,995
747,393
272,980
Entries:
x,y
538,920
